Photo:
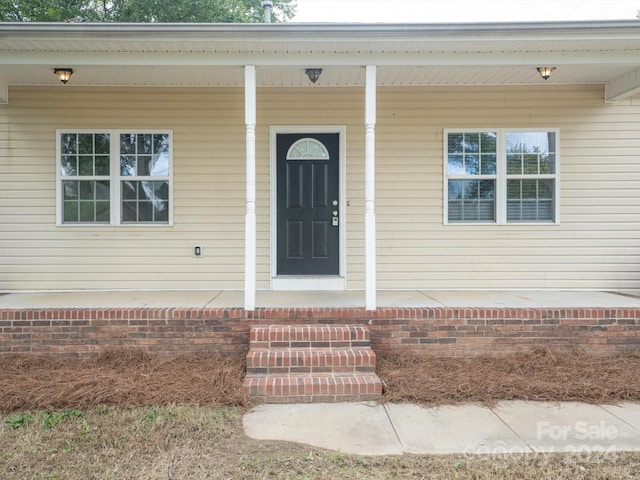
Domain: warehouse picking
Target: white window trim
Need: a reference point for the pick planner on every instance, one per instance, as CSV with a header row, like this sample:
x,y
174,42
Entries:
x,y
114,178
501,176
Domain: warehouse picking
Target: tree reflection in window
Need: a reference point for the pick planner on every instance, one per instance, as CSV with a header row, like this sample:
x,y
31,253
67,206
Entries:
x,y
530,157
84,170
144,157
469,155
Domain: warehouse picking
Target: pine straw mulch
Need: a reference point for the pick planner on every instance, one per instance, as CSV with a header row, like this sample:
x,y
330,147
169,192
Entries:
x,y
134,378
541,375
123,378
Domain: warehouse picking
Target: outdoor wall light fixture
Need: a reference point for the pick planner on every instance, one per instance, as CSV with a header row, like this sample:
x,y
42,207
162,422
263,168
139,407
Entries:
x,y
313,74
546,72
63,74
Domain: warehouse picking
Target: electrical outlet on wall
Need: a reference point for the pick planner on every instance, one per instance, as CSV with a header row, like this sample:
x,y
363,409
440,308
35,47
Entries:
x,y
197,250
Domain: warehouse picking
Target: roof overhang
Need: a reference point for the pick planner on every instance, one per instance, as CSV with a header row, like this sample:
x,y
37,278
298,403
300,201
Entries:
x,y
108,54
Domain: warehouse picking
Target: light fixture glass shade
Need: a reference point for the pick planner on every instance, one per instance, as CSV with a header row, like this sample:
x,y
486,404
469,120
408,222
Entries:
x,y
313,74
63,74
546,72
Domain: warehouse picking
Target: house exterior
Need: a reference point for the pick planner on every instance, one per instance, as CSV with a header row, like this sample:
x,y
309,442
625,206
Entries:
x,y
423,157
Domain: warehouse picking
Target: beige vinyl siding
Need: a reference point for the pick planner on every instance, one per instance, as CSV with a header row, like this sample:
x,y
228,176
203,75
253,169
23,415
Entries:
x,y
595,246
208,182
208,185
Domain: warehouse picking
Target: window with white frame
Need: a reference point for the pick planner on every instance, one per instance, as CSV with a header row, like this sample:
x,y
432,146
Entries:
x,y
501,176
114,177
531,176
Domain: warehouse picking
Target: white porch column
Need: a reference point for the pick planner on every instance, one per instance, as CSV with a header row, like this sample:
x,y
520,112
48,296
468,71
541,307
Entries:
x,y
369,188
250,216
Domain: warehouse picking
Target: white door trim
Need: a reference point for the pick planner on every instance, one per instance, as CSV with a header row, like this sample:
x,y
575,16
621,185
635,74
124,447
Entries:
x,y
306,282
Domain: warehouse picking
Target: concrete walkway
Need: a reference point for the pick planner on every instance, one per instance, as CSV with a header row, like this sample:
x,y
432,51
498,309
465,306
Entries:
x,y
512,427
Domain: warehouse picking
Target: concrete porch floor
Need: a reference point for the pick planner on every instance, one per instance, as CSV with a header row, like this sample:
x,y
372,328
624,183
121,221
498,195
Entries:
x,y
342,299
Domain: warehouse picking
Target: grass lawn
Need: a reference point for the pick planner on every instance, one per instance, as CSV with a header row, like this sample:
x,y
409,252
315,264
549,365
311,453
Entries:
x,y
190,442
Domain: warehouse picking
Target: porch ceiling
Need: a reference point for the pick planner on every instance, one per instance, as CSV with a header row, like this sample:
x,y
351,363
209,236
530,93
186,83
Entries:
x,y
213,55
288,76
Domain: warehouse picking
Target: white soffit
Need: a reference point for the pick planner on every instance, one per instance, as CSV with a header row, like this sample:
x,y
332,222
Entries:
x,y
332,76
412,54
623,86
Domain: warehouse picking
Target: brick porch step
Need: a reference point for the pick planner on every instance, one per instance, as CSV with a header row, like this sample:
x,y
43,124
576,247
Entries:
x,y
292,336
313,389
264,361
311,363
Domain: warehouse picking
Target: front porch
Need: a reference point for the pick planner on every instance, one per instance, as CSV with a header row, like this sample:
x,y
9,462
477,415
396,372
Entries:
x,y
449,323
348,299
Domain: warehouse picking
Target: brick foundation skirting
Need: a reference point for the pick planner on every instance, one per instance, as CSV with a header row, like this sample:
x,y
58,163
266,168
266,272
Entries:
x,y
438,331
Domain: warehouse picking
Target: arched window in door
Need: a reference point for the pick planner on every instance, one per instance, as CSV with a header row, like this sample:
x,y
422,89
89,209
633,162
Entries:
x,y
307,148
